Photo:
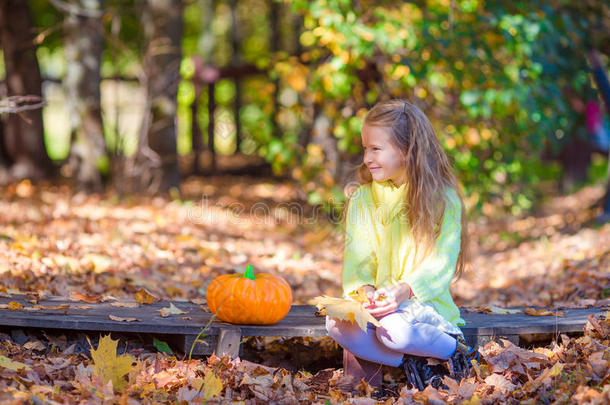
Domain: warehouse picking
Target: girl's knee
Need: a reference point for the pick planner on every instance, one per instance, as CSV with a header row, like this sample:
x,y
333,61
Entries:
x,y
336,329
331,327
345,333
395,333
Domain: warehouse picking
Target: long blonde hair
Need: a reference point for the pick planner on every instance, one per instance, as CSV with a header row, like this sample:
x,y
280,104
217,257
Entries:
x,y
428,173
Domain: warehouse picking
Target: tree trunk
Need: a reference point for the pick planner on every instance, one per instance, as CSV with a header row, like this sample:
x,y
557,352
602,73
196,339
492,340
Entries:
x,y
3,160
23,132
162,23
237,60
3,156
83,49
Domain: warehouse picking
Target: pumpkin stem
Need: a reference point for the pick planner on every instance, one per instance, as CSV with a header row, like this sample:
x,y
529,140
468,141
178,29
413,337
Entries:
x,y
249,273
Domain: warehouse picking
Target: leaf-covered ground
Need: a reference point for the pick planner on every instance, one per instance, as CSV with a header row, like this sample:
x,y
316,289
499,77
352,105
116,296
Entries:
x,y
54,241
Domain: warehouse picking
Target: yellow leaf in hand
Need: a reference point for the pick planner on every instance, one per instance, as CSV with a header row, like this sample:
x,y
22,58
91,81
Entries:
x,y
107,365
346,310
359,295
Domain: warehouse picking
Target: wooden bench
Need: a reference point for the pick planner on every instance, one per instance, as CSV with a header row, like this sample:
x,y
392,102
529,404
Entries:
x,y
224,338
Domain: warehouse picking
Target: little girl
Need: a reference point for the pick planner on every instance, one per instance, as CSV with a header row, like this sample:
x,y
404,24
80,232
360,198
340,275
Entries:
x,y
405,239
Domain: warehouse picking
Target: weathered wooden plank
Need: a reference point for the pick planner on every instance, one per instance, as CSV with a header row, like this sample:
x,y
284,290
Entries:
x,y
229,342
300,321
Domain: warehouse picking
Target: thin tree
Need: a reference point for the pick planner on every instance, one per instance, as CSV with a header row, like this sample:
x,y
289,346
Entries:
x,y
23,137
83,46
162,24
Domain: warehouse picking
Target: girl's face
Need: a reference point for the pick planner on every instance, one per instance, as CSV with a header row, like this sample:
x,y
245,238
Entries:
x,y
382,156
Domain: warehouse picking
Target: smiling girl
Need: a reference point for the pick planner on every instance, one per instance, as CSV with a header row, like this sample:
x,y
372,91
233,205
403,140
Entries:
x,y
405,239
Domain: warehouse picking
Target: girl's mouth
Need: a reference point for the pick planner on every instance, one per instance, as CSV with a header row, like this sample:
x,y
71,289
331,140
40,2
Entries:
x,y
374,168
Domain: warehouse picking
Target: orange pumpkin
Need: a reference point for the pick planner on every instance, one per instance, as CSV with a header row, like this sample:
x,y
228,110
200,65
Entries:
x,y
263,299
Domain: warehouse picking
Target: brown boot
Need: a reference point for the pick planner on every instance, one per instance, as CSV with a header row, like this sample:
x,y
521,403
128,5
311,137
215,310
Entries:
x,y
359,369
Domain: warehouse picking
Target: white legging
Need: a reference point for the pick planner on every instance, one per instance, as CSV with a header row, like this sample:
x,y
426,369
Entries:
x,y
396,336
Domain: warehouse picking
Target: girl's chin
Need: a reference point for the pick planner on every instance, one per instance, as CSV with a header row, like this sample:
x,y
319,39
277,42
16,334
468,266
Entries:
x,y
378,177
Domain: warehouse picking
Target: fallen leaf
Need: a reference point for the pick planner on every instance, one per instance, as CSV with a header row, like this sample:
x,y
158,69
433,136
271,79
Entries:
x,y
346,310
14,306
171,310
35,345
144,297
500,381
91,299
542,312
212,385
123,304
498,310
119,319
53,308
166,378
12,365
199,301
359,295
475,400
364,388
162,346
98,262
107,365
548,374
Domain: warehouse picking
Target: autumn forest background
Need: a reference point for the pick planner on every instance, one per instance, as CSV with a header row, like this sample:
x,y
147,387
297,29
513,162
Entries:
x,y
155,144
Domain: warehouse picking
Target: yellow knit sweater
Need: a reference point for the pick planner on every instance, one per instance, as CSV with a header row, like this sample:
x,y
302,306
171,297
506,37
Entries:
x,y
379,247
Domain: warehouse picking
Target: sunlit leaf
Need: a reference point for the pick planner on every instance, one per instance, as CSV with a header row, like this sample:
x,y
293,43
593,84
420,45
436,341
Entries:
x,y
346,310
107,365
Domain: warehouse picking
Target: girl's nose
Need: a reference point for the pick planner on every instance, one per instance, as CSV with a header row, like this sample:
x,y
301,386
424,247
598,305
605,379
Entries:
x,y
367,158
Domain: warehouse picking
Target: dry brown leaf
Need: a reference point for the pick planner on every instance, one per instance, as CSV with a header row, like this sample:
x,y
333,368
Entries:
x,y
144,297
35,345
346,310
167,378
498,380
53,308
199,301
91,299
542,312
14,306
498,310
548,374
124,304
119,319
599,364
171,310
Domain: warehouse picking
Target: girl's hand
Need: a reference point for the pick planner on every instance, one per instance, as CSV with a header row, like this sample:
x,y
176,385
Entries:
x,y
394,296
369,291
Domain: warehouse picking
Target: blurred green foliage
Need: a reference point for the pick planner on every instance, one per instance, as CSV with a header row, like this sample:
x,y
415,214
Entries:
x,y
498,79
